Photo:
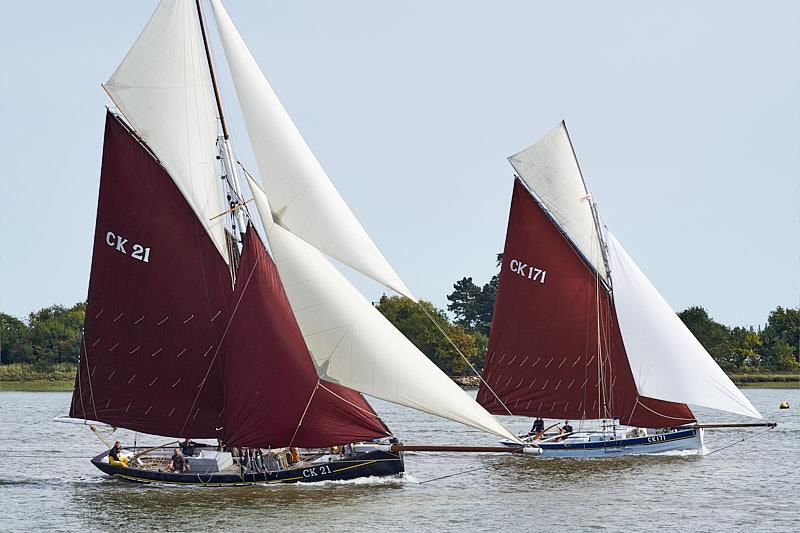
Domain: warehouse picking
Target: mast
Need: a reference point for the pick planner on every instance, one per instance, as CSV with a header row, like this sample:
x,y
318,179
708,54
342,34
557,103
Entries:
x,y
593,207
226,152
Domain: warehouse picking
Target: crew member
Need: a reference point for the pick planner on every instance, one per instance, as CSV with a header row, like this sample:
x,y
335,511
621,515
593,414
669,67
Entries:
x,y
538,427
114,457
188,446
178,462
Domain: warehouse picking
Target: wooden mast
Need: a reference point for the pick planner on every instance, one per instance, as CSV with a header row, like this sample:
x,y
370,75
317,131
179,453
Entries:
x,y
211,70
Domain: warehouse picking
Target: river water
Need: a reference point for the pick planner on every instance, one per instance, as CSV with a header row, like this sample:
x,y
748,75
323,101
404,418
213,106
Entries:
x,y
753,485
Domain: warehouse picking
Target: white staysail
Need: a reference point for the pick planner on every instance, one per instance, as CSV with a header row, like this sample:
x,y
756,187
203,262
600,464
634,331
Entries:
x,y
667,361
354,345
163,89
302,197
551,172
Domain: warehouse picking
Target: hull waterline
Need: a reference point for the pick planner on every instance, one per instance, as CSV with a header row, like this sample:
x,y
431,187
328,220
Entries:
x,y
376,463
596,445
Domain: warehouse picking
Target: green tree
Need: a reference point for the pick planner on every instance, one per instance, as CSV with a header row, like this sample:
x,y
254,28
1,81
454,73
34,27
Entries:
x,y
14,339
464,303
420,330
715,337
745,344
780,336
780,356
54,334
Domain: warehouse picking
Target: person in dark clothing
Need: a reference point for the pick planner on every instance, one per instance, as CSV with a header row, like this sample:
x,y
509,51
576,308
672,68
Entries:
x,y
187,447
178,462
567,428
114,457
538,427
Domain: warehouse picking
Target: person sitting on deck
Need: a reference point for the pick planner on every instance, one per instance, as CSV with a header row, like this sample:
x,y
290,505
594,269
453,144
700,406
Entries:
x,y
114,457
178,462
566,429
538,427
188,446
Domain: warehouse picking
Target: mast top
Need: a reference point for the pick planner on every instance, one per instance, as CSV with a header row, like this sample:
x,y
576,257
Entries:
x,y
211,71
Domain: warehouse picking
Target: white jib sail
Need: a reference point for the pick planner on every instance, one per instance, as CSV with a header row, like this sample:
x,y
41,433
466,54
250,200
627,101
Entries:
x,y
551,172
354,345
302,197
667,361
163,89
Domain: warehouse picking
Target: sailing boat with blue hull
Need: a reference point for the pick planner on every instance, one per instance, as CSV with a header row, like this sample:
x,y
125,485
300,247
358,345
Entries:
x,y
580,334
193,329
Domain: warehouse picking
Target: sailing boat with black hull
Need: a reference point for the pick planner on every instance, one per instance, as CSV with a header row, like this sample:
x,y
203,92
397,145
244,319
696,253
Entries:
x,y
193,330
579,333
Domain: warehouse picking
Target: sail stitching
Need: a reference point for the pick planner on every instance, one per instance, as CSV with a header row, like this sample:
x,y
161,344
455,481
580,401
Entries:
x,y
221,341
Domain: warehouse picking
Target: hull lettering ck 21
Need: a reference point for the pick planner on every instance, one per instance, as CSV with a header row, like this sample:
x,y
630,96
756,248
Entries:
x,y
118,242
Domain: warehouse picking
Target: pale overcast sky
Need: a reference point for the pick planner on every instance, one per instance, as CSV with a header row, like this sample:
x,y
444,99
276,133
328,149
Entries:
x,y
684,117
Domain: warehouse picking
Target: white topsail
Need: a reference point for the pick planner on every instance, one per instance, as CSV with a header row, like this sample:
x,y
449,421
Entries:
x,y
163,89
667,361
353,344
551,172
302,197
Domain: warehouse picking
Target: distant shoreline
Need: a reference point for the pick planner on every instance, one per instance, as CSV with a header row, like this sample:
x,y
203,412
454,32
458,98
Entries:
x,y
20,377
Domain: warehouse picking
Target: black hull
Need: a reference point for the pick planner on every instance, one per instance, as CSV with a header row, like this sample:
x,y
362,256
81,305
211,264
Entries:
x,y
370,464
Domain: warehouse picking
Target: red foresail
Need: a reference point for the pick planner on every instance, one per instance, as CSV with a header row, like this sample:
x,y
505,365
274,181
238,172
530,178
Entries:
x,y
157,303
555,349
273,396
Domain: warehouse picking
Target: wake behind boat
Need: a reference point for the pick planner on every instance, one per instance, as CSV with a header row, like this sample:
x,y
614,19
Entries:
x,y
580,333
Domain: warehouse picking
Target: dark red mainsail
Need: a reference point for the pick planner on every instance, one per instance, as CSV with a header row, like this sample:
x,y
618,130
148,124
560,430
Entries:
x,y
273,396
163,325
545,356
157,303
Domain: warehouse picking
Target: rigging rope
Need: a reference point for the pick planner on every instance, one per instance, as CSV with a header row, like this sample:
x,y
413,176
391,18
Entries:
x,y
303,416
738,441
452,475
464,357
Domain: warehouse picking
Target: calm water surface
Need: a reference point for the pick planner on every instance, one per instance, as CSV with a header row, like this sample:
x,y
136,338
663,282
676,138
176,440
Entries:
x,y
752,486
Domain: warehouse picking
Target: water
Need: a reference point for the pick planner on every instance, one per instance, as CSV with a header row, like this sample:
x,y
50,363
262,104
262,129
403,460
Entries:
x,y
750,486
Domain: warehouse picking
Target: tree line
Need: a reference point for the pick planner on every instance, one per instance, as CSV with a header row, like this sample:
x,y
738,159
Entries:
x,y
53,335
46,337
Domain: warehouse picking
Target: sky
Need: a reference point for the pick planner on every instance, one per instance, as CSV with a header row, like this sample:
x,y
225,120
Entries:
x,y
683,114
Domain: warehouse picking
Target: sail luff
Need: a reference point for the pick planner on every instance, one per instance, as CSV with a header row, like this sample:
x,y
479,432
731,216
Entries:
x,y
302,197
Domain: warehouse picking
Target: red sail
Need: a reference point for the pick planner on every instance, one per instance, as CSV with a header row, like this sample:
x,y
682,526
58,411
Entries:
x,y
543,357
157,303
273,396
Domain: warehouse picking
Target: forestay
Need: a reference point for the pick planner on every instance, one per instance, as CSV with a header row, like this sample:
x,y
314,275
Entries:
x,y
552,174
353,345
302,197
162,87
667,361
